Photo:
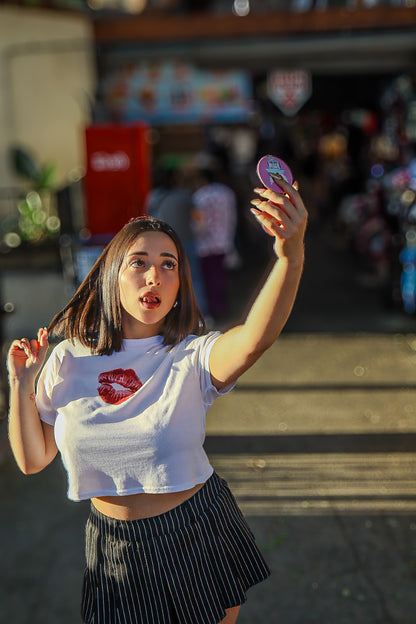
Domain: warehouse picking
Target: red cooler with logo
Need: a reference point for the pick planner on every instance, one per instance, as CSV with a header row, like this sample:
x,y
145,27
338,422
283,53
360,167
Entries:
x,y
118,176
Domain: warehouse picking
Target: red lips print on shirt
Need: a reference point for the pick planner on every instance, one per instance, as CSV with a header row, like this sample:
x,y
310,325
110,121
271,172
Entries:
x,y
115,394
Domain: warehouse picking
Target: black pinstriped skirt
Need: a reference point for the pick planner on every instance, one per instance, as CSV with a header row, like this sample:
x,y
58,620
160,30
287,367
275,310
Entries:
x,y
185,566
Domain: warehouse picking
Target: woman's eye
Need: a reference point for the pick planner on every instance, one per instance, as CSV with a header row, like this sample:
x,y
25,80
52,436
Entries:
x,y
169,264
137,263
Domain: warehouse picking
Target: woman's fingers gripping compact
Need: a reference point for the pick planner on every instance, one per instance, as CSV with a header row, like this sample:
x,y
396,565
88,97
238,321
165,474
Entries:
x,y
279,212
283,216
270,216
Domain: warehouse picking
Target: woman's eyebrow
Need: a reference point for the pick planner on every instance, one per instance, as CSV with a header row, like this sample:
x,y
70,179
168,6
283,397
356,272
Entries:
x,y
167,254
164,254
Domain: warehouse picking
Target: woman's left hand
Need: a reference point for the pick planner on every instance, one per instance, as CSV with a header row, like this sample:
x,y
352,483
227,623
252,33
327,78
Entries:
x,y
283,216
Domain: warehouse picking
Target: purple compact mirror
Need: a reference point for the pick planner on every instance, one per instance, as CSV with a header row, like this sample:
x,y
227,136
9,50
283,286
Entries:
x,y
271,164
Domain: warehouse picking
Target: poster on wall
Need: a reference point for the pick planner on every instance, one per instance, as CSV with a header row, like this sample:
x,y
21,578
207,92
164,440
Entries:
x,y
289,89
175,92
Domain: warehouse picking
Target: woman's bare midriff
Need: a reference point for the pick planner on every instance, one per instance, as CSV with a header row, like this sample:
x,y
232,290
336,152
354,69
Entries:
x,y
138,506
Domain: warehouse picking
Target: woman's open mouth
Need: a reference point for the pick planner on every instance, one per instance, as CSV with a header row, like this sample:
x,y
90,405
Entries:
x,y
118,385
150,301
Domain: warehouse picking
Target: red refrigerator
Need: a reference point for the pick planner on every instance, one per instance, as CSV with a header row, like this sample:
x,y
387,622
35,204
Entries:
x,y
117,179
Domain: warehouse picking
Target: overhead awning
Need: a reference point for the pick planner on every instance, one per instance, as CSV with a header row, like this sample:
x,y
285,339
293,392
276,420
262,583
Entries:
x,y
346,53
380,39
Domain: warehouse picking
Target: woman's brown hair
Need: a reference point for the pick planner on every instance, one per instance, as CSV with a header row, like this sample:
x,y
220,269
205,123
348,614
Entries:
x,y
93,315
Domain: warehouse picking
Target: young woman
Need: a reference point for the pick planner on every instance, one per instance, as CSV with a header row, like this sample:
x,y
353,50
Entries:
x,y
123,398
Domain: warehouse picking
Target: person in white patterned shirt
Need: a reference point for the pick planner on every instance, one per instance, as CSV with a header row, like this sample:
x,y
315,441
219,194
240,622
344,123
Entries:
x,y
215,210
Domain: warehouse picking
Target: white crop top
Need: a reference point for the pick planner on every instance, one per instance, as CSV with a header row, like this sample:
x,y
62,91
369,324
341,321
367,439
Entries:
x,y
133,421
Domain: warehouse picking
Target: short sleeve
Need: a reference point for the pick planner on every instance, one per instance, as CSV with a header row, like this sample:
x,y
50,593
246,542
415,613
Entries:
x,y
44,390
203,345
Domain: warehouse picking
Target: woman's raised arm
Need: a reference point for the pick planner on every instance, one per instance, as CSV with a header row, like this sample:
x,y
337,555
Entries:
x,y
284,217
32,440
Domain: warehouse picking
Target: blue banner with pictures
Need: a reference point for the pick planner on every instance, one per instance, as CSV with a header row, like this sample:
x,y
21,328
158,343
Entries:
x,y
176,92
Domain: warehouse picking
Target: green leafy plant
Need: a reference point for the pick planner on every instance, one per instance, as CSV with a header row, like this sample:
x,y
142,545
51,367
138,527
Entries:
x,y
35,220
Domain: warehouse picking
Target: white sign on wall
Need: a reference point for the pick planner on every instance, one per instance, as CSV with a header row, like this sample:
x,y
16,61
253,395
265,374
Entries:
x,y
289,89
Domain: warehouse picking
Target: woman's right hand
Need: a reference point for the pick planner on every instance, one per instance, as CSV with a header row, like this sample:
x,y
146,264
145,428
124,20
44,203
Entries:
x,y
26,357
32,441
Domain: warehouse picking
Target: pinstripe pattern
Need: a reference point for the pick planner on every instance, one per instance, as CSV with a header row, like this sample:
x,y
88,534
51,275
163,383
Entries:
x,y
185,566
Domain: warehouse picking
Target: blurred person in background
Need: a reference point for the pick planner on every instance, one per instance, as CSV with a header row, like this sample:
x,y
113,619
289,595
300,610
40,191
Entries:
x,y
214,224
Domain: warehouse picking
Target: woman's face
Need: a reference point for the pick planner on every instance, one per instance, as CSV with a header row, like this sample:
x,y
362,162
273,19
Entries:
x,y
148,282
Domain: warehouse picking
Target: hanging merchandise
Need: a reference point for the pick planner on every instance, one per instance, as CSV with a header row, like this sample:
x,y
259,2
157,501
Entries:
x,y
380,223
408,277
289,89
369,232
411,121
402,204
399,107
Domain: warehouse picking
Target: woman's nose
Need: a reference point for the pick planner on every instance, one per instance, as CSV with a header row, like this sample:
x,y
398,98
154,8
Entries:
x,y
152,276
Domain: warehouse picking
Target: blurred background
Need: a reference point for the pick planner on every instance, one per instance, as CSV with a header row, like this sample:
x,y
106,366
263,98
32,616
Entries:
x,y
96,96
96,99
